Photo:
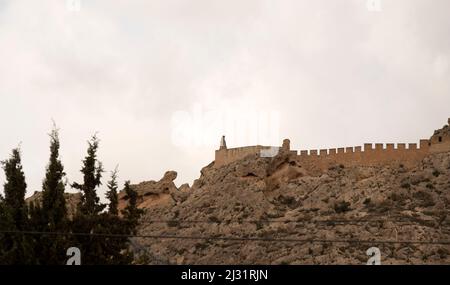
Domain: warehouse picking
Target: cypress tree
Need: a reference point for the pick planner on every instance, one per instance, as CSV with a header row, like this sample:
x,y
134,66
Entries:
x,y
53,201
6,224
18,246
52,215
111,194
15,188
87,217
92,173
131,213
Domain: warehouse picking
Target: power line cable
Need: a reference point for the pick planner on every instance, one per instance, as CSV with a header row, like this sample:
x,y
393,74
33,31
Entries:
x,y
342,221
262,239
275,221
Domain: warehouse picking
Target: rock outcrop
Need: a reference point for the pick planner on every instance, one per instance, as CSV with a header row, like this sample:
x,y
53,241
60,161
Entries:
x,y
161,193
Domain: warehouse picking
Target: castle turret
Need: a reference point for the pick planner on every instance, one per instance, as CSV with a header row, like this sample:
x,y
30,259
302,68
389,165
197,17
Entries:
x,y
223,143
286,145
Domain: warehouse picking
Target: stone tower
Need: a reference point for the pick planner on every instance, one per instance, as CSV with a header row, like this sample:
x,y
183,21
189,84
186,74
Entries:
x,y
286,145
223,143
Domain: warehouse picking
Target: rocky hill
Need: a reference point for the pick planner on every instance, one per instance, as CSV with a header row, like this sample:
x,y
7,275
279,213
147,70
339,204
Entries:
x,y
272,211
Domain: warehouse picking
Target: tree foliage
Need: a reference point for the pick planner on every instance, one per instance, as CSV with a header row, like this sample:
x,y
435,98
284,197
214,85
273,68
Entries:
x,y
112,194
108,243
92,174
53,201
131,212
51,214
16,247
15,188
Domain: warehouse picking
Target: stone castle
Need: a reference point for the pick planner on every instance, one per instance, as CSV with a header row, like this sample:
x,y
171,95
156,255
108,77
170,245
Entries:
x,y
407,155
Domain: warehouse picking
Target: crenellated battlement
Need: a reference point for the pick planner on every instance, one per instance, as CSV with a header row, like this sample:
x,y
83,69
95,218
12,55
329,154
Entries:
x,y
407,154
423,145
369,154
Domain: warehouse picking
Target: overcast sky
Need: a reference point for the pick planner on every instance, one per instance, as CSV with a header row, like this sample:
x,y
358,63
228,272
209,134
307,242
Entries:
x,y
160,81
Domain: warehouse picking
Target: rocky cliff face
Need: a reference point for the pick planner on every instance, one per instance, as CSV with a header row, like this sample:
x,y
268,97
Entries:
x,y
272,211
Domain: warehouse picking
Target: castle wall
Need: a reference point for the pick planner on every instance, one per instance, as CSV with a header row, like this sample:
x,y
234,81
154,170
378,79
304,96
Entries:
x,y
368,155
225,156
371,155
